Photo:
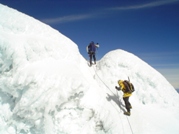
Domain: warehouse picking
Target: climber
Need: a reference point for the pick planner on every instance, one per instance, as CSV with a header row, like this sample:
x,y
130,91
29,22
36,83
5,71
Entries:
x,y
127,88
91,49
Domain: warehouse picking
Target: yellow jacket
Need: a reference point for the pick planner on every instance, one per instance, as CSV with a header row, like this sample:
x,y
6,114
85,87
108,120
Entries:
x,y
123,88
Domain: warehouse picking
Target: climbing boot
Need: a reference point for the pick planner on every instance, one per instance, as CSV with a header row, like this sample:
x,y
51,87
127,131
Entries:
x,y
127,113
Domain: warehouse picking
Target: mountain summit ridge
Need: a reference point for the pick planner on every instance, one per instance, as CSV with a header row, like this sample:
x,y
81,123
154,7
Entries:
x,y
47,87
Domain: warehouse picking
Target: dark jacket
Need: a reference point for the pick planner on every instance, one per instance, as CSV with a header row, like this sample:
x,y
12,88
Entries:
x,y
92,47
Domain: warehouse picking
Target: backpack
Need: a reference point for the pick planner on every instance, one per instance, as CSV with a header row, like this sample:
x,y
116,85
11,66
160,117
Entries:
x,y
91,47
129,87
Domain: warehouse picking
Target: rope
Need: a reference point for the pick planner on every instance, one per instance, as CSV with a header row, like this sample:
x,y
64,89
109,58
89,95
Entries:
x,y
110,102
118,101
113,94
104,83
120,110
130,125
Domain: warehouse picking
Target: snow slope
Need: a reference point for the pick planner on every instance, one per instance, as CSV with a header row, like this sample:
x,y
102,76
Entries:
x,y
46,86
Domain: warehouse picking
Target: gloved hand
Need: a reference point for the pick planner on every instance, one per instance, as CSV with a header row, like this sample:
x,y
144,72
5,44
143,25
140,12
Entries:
x,y
118,88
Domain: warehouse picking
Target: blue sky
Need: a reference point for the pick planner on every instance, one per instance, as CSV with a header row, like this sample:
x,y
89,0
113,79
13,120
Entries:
x,y
147,28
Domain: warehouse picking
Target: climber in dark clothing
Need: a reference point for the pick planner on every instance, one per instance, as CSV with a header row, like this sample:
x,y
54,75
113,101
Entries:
x,y
91,49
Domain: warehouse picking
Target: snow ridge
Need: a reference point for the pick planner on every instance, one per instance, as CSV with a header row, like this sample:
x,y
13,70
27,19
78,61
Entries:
x,y
46,86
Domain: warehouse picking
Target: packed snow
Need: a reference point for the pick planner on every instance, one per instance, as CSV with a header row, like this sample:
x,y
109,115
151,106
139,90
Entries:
x,y
47,87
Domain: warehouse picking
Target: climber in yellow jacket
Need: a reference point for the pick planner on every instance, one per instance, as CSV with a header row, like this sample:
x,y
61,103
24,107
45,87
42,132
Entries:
x,y
126,88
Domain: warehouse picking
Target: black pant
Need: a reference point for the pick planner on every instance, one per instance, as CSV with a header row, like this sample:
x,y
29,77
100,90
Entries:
x,y
127,103
92,55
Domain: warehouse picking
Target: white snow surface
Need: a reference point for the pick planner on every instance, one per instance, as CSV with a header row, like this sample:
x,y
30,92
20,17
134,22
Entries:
x,y
47,87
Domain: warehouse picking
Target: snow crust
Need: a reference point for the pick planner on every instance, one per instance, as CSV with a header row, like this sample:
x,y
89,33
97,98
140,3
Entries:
x,y
47,87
